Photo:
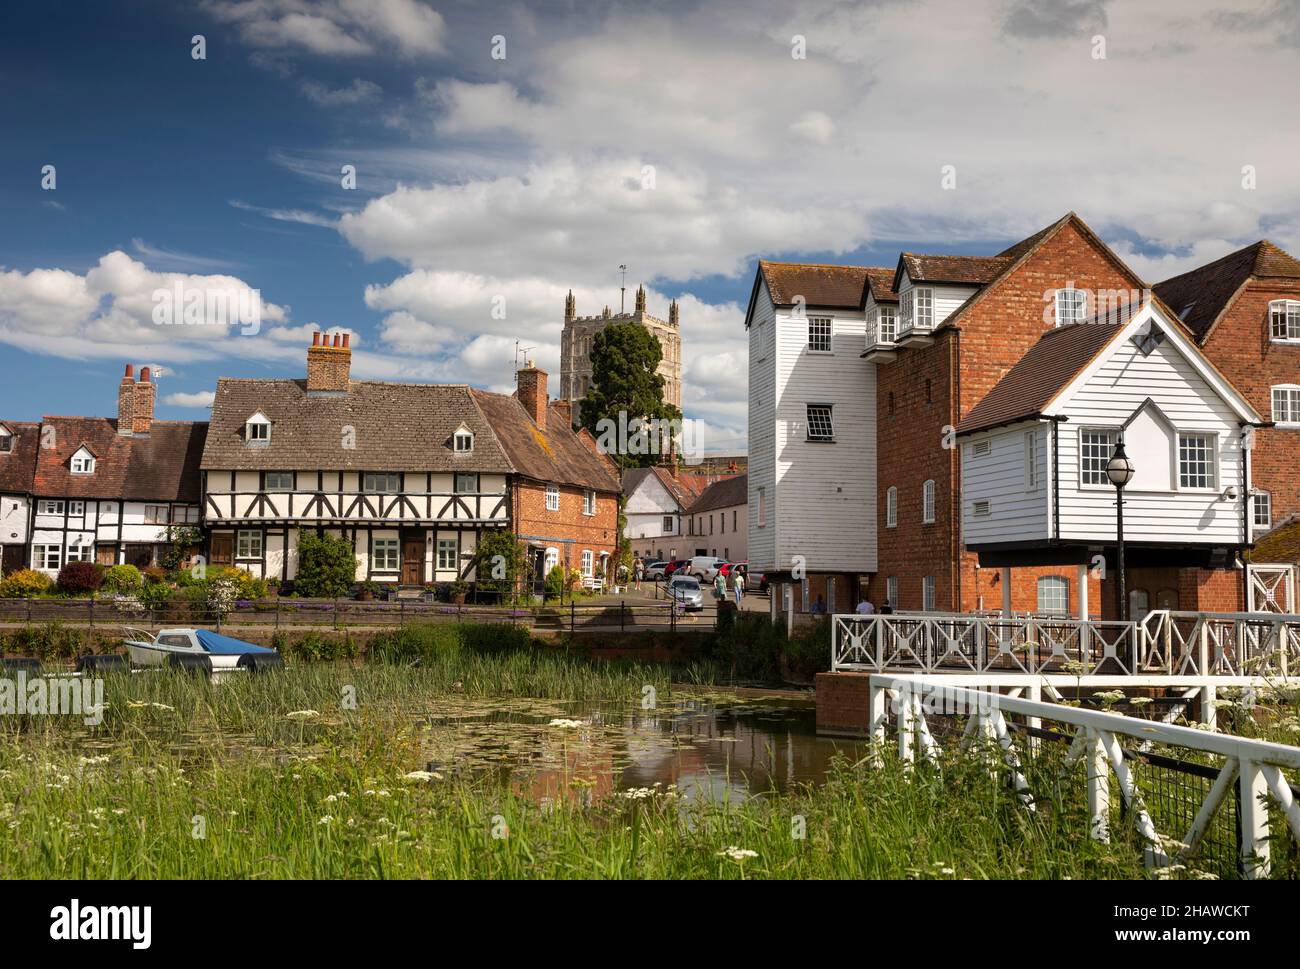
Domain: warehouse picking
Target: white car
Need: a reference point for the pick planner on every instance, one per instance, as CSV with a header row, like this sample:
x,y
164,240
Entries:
x,y
705,567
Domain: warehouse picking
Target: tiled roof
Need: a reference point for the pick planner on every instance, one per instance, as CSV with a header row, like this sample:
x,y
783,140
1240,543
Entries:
x,y
840,287
681,490
160,466
18,466
1199,296
555,454
1282,544
1038,376
726,493
394,427
880,283
965,270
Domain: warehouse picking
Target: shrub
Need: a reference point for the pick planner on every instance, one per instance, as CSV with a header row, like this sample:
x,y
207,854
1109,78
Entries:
x,y
154,595
810,650
498,562
751,648
81,577
24,584
122,578
153,573
493,637
245,584
428,641
555,582
327,566
25,641
314,646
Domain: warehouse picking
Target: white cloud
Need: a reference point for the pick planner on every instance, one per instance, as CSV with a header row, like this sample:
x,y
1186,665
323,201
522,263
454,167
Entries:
x,y
336,28
200,398
358,92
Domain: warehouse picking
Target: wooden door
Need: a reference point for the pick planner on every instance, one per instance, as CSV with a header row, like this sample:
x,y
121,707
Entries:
x,y
12,559
223,549
106,554
413,560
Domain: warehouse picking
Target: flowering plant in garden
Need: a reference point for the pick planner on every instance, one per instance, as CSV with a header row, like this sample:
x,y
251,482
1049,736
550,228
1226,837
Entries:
x,y
221,594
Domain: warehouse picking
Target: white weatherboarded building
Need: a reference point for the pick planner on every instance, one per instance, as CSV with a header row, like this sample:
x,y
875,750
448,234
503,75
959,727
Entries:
x,y
812,429
1034,487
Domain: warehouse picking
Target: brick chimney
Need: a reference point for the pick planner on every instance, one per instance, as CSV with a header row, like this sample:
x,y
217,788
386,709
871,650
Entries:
x,y
532,393
135,400
329,365
565,409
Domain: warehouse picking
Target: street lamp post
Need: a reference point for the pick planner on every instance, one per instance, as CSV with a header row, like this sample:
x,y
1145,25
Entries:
x,y
1120,470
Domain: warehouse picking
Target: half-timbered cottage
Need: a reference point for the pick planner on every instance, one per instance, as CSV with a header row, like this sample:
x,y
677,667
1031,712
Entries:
x,y
17,473
108,491
411,474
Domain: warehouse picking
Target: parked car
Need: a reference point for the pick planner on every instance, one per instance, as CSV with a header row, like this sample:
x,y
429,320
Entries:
x,y
705,567
726,568
654,570
686,590
673,565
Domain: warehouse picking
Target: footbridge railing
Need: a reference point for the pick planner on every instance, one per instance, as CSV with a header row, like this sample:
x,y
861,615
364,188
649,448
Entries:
x,y
1168,642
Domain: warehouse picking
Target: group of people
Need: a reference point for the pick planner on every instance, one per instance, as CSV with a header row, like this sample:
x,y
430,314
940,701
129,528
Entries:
x,y
737,584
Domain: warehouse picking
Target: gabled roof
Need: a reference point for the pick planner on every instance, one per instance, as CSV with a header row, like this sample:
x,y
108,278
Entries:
x,y
962,270
552,455
162,465
1200,296
831,287
880,285
680,492
18,466
396,427
728,492
1042,379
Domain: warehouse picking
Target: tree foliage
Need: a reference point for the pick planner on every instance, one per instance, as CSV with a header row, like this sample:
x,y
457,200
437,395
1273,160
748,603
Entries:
x,y
327,566
626,386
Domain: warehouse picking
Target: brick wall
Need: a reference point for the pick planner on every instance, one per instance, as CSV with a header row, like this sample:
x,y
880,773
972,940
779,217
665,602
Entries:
x,y
1239,346
912,418
842,704
597,532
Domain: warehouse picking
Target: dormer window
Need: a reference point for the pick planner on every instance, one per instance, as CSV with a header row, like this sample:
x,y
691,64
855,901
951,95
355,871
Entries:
x,y
462,442
1070,306
1284,320
257,430
83,462
6,440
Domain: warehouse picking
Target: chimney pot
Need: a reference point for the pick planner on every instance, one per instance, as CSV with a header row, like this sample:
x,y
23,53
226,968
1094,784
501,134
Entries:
x,y
144,375
328,365
130,370
315,338
346,337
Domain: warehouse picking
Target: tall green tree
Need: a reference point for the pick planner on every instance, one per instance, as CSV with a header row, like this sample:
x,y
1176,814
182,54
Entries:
x,y
625,388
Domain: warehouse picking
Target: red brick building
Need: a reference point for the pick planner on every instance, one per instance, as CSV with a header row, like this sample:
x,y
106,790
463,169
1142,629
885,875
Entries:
x,y
564,497
984,313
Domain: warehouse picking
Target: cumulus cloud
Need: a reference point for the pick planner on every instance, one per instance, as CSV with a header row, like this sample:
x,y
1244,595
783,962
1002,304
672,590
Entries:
x,y
358,92
200,398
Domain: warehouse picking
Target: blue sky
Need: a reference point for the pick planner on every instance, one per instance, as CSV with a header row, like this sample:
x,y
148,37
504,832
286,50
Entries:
x,y
684,140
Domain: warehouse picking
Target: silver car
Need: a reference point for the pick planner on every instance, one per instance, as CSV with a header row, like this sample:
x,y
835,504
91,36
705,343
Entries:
x,y
685,589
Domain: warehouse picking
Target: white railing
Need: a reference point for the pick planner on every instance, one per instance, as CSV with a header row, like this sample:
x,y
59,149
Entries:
x,y
1165,642
1255,767
956,642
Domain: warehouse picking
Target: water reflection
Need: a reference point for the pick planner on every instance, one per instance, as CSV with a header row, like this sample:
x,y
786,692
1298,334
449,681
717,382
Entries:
x,y
715,748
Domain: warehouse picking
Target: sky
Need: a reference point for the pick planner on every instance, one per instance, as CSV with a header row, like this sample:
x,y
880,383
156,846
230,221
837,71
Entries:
x,y
505,153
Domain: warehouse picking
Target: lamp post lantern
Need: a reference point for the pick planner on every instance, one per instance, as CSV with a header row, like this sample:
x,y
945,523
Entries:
x,y
1120,470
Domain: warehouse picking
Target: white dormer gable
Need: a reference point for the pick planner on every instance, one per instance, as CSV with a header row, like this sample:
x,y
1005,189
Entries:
x,y
83,461
1150,433
462,440
6,440
257,429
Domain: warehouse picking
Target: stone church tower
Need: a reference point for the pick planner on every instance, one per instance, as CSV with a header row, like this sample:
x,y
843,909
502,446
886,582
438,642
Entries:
x,y
580,332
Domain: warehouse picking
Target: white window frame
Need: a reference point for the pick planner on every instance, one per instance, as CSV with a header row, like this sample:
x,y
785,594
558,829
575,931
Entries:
x,y
924,308
387,555
462,441
279,487
1288,312
1261,500
1071,305
827,438
6,440
928,502
185,514
1104,482
905,309
82,463
461,478
1057,589
1032,477
552,497
76,509
447,555
821,334
258,432
248,544
891,507
41,557
79,552
372,484
1290,409
588,563
891,591
48,507
887,331
589,502
669,525
156,514
929,593
1212,460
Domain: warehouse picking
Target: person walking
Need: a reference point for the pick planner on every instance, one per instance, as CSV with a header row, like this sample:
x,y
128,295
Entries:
x,y
720,587
638,570
738,582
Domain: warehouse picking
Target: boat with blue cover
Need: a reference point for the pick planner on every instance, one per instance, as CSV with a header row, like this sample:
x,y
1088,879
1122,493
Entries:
x,y
189,646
